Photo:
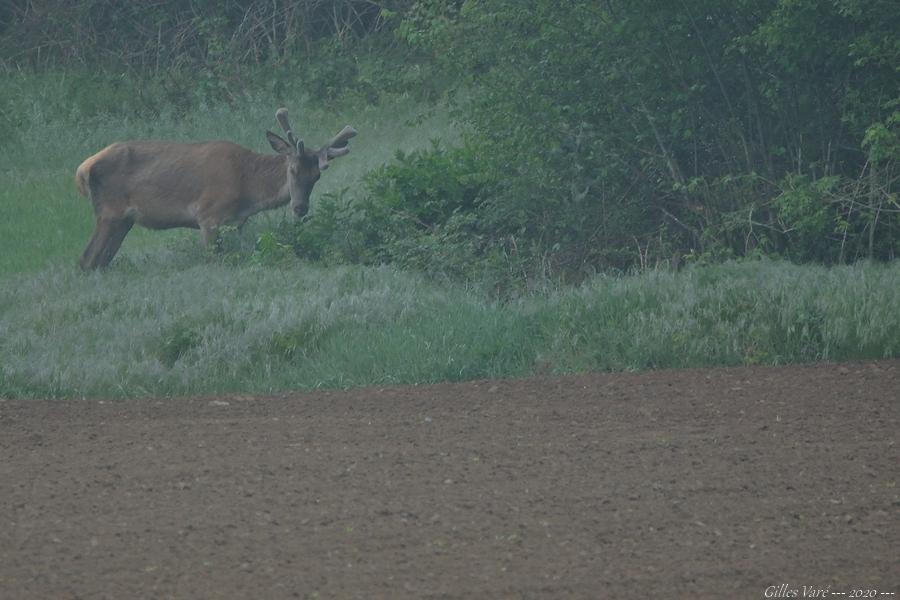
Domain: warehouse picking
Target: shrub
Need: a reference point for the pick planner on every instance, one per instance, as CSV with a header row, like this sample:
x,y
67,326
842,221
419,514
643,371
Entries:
x,y
422,211
702,127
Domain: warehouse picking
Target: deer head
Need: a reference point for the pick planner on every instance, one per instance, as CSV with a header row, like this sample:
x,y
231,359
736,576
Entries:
x,y
304,166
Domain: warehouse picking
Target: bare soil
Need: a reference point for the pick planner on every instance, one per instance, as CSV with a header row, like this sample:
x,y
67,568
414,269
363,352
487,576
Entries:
x,y
721,483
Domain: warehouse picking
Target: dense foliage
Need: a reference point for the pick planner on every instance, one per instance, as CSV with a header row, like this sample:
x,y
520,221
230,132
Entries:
x,y
624,131
599,135
150,36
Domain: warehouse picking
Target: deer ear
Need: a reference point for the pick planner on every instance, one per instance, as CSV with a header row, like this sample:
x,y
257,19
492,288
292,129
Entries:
x,y
279,144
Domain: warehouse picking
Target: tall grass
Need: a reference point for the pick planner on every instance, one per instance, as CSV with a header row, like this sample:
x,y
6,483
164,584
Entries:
x,y
210,327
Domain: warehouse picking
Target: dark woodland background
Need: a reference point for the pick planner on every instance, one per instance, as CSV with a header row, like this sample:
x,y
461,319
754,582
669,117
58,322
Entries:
x,y
598,135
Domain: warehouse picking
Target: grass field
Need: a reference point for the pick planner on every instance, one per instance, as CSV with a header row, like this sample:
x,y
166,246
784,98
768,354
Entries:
x,y
49,222
169,319
145,328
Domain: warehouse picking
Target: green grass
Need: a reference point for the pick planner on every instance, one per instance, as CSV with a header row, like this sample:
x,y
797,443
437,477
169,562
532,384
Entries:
x,y
168,319
44,140
199,326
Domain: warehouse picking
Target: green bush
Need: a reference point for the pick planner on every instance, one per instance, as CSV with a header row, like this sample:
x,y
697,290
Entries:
x,y
633,132
422,211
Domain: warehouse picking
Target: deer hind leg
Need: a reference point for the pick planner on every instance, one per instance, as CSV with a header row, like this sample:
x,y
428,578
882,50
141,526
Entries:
x,y
105,242
118,231
98,239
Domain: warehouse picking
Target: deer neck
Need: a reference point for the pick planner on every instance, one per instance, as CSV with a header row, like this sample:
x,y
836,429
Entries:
x,y
269,181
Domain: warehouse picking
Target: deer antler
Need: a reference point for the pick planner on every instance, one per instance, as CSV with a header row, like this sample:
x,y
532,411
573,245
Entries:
x,y
281,115
332,152
341,139
337,146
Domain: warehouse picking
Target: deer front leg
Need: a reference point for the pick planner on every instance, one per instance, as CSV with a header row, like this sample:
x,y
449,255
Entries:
x,y
209,233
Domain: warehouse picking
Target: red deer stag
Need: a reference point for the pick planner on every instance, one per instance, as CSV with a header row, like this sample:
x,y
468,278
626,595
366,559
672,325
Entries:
x,y
161,185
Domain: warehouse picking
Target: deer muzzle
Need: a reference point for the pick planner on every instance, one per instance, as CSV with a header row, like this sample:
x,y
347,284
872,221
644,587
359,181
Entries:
x,y
300,209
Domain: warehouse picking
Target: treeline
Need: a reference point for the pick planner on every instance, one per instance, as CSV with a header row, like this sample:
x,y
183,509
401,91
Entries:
x,y
164,34
622,133
601,134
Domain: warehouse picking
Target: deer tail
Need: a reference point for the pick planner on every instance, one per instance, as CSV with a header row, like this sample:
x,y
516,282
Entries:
x,y
83,178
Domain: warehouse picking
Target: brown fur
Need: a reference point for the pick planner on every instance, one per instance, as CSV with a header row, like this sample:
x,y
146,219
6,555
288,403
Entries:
x,y
82,174
161,185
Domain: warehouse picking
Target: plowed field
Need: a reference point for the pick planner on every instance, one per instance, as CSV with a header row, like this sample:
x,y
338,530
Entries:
x,y
721,483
